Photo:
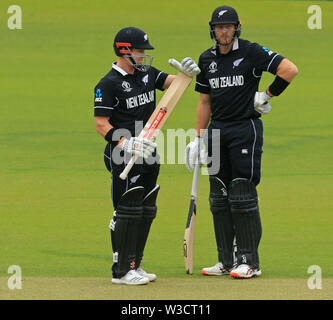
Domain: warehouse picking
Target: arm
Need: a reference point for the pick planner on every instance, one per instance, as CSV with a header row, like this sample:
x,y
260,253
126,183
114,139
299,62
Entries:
x,y
193,150
203,112
168,81
102,125
286,71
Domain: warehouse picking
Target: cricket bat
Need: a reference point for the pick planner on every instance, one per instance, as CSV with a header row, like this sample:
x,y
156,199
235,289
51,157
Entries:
x,y
163,110
190,224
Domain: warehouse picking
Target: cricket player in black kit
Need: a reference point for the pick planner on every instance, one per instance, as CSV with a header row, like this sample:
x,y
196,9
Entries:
x,y
124,100
230,101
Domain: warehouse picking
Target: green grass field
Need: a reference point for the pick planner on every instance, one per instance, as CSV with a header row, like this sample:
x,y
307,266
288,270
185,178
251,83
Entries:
x,y
54,192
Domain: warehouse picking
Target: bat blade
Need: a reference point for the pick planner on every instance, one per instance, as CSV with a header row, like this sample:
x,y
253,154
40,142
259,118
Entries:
x,y
189,236
190,224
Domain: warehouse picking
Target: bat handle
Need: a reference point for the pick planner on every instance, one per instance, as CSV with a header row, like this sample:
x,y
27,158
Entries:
x,y
128,167
177,65
195,180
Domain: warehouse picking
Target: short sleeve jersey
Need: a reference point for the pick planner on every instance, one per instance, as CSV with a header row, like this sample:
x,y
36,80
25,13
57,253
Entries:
x,y
127,98
232,80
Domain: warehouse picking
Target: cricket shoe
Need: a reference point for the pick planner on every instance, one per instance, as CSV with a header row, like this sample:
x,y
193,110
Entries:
x,y
217,270
143,273
131,278
244,271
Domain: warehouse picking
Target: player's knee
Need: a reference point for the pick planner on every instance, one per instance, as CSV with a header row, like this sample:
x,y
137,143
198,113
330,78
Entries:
x,y
130,205
149,203
243,197
218,196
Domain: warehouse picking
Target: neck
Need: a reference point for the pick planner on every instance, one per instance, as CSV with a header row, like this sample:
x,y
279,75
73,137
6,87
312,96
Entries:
x,y
125,65
226,49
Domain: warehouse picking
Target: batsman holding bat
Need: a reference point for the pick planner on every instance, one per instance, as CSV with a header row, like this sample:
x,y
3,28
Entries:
x,y
124,101
231,106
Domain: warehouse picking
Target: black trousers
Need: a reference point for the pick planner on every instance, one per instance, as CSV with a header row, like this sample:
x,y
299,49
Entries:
x,y
235,149
142,174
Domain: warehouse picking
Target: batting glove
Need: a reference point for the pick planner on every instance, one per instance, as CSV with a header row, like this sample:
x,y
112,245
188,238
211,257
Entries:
x,y
189,67
194,152
261,104
138,146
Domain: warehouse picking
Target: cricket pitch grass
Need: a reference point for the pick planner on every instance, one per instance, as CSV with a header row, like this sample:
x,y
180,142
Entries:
x,y
207,288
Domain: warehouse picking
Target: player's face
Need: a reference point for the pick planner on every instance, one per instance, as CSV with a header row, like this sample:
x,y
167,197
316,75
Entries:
x,y
138,55
224,33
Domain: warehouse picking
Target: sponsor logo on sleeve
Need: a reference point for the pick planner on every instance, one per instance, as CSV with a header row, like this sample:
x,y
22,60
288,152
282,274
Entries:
x,y
98,95
267,50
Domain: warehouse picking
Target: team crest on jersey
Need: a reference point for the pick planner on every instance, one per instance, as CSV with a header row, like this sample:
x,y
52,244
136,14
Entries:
x,y
213,67
145,79
126,86
237,62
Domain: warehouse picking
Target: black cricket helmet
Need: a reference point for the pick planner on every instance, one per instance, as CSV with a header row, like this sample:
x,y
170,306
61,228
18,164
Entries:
x,y
131,38
225,15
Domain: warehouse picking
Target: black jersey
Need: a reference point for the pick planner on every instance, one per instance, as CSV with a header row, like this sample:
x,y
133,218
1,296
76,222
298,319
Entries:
x,y
232,80
127,98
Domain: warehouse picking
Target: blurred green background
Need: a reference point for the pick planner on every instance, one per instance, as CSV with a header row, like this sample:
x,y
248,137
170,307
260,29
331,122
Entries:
x,y
55,202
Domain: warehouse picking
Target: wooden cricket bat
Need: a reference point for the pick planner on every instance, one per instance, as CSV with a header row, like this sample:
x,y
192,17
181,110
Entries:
x,y
190,224
162,111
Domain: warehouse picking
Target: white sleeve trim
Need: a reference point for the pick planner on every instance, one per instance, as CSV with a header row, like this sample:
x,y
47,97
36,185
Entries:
x,y
158,76
110,108
271,62
200,84
101,107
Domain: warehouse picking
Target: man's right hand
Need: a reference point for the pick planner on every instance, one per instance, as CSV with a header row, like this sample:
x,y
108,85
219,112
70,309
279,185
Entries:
x,y
261,104
194,152
138,146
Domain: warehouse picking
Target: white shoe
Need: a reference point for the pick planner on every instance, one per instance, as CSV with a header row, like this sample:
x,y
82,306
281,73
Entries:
x,y
143,273
244,271
217,270
132,278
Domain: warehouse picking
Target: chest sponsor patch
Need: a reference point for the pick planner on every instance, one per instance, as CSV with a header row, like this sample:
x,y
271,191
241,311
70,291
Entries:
x,y
229,81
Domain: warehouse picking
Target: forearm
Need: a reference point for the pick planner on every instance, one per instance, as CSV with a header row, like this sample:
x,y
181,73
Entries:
x,y
203,117
285,73
103,128
168,81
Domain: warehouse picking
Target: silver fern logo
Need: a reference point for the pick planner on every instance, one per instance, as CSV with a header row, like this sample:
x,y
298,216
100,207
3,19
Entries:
x,y
237,62
221,13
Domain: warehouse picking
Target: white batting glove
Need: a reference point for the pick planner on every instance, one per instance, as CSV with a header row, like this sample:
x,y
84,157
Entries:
x,y
189,67
138,146
194,152
261,104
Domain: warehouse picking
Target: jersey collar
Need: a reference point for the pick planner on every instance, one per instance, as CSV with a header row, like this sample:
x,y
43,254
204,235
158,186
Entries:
x,y
120,70
235,45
